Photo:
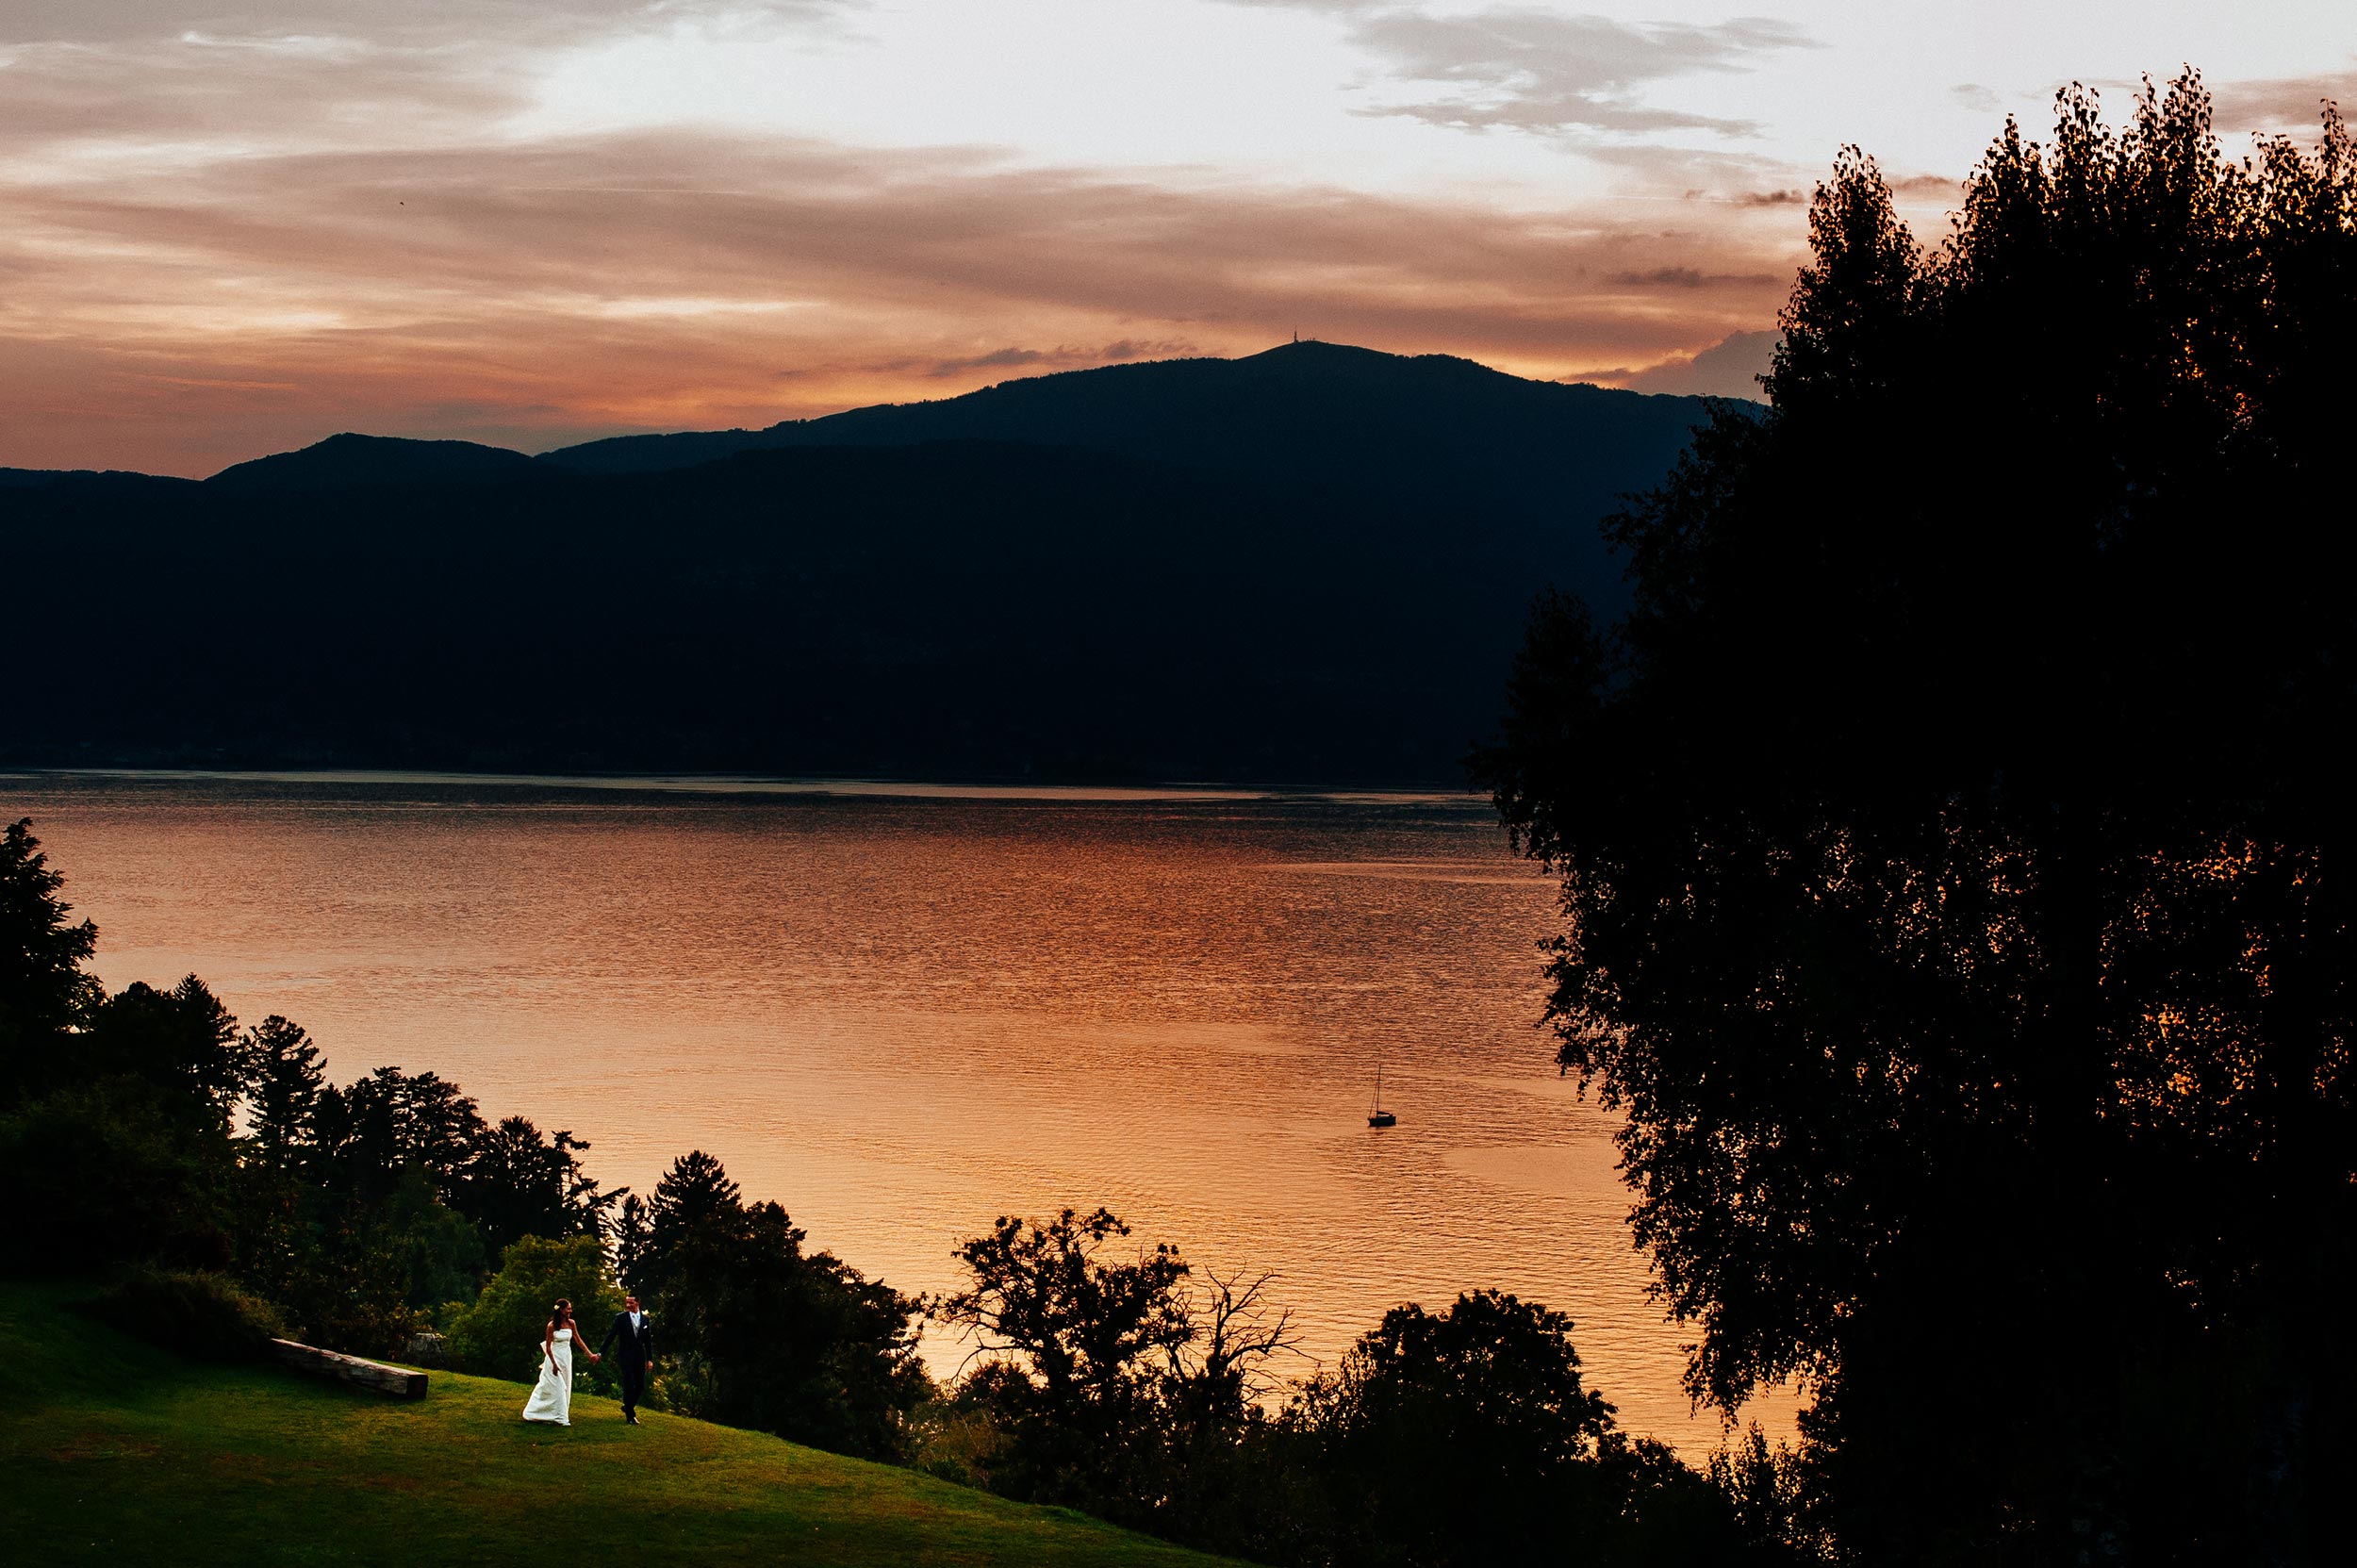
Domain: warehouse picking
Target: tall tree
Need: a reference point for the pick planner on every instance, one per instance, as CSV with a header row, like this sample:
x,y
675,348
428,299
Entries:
x,y
522,1182
183,1042
43,988
1958,890
755,1331
1463,1436
632,1239
282,1118
1075,1336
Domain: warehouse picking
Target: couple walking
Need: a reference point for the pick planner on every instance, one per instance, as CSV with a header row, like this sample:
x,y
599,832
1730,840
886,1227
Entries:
x,y
552,1396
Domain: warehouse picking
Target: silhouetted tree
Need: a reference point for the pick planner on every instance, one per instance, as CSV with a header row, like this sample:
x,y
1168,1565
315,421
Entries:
x,y
114,1171
355,1209
439,1254
358,1141
1957,878
695,1196
1215,1376
436,1127
632,1239
1074,1341
518,1183
1461,1436
44,991
286,1080
114,1110
754,1331
182,1040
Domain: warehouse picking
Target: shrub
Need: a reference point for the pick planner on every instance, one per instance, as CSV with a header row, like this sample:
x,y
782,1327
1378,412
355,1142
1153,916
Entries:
x,y
1460,1436
955,1439
106,1173
209,1316
347,1295
499,1335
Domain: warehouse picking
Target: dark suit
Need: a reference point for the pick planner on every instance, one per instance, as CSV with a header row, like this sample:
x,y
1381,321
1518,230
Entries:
x,y
637,1351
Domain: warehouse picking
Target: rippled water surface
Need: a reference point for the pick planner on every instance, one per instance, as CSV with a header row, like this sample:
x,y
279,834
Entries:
x,y
901,1014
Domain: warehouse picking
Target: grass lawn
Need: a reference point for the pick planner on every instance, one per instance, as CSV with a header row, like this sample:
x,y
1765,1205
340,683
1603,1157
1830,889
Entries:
x,y
115,1452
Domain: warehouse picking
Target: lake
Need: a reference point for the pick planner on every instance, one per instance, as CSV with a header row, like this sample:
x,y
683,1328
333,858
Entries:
x,y
902,1009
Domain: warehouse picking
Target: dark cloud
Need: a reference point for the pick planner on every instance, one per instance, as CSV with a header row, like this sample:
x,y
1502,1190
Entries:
x,y
137,95
658,215
1661,277
478,24
2281,103
1064,356
1691,277
327,73
1158,348
1917,187
1718,173
1924,185
998,359
1541,70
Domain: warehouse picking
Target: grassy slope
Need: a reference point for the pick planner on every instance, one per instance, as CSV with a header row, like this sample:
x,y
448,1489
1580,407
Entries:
x,y
113,1451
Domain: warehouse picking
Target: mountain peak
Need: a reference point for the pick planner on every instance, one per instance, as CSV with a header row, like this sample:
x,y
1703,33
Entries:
x,y
352,459
1356,413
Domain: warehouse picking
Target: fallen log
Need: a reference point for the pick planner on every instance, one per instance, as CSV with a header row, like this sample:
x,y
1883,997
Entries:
x,y
397,1381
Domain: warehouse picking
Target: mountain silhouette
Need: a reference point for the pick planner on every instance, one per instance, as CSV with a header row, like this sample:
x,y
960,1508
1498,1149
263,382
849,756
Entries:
x,y
349,459
1317,407
114,479
1459,437
1311,565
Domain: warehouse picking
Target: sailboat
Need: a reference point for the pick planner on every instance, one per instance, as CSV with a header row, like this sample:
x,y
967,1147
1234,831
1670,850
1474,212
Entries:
x,y
1379,1116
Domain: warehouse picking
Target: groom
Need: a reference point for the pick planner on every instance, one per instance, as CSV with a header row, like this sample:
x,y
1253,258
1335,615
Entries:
x,y
636,1332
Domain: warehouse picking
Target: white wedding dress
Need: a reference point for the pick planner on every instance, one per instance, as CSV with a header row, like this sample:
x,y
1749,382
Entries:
x,y
552,1396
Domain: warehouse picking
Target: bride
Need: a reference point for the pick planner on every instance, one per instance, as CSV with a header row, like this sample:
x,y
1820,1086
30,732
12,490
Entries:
x,y
552,1396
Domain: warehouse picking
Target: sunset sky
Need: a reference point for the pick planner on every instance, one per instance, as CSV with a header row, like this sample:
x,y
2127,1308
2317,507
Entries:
x,y
234,226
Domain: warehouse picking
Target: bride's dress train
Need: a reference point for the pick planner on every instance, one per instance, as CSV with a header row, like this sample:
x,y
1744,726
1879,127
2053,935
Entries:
x,y
552,1396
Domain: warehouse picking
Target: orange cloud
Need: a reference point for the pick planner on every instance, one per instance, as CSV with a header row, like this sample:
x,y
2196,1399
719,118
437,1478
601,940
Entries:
x,y
224,246
542,293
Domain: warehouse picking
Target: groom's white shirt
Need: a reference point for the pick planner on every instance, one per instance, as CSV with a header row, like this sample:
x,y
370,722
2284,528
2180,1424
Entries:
x,y
634,1321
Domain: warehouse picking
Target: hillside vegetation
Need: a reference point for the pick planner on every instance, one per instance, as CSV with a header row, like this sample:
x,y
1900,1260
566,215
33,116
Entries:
x,y
116,1452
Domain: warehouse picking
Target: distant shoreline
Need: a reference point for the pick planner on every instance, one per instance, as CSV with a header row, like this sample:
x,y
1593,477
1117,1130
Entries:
x,y
751,784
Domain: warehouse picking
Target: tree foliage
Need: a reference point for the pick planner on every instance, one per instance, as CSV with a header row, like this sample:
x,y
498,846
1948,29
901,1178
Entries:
x,y
145,1129
283,1119
44,991
1467,1436
1117,1376
1076,1334
498,1335
144,1126
1959,897
755,1331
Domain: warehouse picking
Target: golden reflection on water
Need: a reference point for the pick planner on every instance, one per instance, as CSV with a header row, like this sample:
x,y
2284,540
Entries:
x,y
902,1016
